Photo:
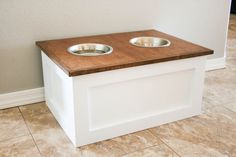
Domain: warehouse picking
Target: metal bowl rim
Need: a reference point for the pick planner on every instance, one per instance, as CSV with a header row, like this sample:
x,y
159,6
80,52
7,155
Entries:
x,y
135,38
98,44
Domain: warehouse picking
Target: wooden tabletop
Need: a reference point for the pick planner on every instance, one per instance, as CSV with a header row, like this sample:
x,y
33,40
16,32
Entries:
x,y
124,54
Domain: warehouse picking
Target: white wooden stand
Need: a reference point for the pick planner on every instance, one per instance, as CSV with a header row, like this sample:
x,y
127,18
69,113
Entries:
x,y
104,105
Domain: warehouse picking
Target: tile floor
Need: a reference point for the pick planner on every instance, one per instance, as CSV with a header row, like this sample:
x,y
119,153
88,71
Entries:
x,y
32,131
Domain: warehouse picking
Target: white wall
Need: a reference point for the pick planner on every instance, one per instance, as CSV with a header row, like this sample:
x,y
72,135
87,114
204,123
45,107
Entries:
x,y
204,22
26,21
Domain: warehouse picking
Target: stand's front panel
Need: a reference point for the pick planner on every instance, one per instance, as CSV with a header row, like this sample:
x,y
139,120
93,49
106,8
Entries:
x,y
113,103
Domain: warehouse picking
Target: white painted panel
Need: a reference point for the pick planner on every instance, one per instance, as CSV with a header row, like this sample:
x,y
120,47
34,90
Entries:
x,y
59,96
121,102
103,105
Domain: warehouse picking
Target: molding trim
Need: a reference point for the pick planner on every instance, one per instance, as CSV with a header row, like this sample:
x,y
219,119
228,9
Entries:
x,y
216,63
21,97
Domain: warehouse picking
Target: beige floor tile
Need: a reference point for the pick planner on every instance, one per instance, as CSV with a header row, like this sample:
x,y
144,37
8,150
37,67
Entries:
x,y
52,141
106,148
220,77
19,147
220,87
12,124
219,96
231,64
136,141
40,123
232,27
156,151
34,109
211,134
231,106
49,137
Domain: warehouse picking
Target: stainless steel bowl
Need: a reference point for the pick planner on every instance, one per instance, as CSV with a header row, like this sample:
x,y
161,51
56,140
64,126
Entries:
x,y
150,42
90,49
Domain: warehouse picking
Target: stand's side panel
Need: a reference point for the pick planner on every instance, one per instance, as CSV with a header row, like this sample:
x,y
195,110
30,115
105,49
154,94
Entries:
x,y
59,95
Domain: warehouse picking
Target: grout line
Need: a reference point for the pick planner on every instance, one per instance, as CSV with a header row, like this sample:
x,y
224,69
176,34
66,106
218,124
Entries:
x,y
223,105
228,109
164,143
30,133
11,138
150,146
36,114
220,105
169,147
139,150
125,152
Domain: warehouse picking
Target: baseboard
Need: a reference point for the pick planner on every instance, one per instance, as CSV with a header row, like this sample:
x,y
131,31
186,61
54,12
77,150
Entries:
x,y
214,64
21,98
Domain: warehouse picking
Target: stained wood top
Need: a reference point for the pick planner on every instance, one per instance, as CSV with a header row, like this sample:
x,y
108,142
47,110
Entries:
x,y
124,54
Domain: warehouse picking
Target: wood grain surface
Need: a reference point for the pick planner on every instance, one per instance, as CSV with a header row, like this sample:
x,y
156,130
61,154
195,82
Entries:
x,y
124,54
